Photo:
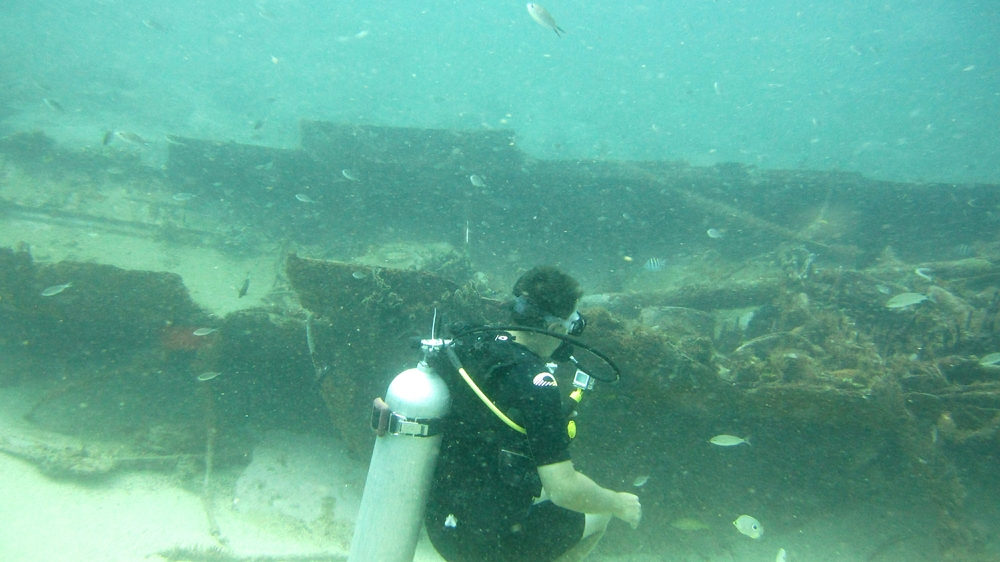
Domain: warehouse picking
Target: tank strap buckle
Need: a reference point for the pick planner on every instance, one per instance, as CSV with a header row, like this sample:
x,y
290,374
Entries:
x,y
384,421
401,425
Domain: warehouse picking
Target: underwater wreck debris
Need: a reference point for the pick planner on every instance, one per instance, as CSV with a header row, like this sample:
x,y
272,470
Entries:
x,y
729,212
107,309
211,433
60,456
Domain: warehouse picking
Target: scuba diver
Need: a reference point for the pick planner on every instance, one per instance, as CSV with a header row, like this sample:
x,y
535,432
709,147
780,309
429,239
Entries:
x,y
504,488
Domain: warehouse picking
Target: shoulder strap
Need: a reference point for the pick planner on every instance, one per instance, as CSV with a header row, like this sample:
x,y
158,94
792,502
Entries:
x,y
453,357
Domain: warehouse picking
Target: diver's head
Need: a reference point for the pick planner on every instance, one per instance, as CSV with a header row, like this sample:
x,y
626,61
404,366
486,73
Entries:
x,y
546,297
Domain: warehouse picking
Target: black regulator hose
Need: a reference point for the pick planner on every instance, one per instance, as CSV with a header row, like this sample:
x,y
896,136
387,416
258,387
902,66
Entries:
x,y
568,339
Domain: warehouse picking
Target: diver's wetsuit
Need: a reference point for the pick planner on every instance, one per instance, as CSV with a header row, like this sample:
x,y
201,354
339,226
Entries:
x,y
481,503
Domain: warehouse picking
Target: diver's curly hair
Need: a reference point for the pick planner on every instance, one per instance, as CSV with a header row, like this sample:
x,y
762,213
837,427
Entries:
x,y
544,291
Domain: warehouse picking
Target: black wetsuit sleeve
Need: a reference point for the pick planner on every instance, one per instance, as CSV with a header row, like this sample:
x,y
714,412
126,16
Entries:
x,y
543,416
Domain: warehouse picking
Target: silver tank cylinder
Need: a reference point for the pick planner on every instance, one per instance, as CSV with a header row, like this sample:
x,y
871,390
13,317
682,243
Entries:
x,y
399,477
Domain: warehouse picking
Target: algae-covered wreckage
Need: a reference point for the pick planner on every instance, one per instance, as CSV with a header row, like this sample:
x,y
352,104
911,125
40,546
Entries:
x,y
775,325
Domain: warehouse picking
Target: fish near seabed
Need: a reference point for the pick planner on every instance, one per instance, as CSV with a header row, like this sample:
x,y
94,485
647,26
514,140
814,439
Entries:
x,y
131,137
56,289
244,287
544,18
653,264
728,440
749,526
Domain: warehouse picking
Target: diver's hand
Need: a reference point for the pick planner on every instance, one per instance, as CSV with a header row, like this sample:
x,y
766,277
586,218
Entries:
x,y
629,509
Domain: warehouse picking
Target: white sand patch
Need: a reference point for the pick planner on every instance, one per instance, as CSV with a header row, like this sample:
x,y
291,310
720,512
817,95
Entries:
x,y
126,519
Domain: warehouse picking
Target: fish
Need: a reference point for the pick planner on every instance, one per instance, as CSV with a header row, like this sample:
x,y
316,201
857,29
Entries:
x,y
359,275
351,176
310,342
749,526
451,522
715,233
781,556
108,135
208,375
131,137
640,480
477,180
924,273
884,289
990,360
904,300
258,124
53,104
204,331
56,289
688,524
653,264
153,25
182,196
728,440
544,18
304,198
244,287
173,139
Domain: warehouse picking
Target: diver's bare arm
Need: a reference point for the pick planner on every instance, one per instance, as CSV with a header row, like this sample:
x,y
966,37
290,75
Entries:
x,y
573,490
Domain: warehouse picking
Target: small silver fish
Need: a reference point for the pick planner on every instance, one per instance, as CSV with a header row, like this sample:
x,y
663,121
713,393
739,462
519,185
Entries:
x,y
359,275
451,522
182,196
304,198
477,180
204,331
728,440
749,526
782,556
924,273
653,264
990,360
244,287
56,289
208,375
351,176
715,233
54,105
173,139
905,299
131,137
640,480
544,18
